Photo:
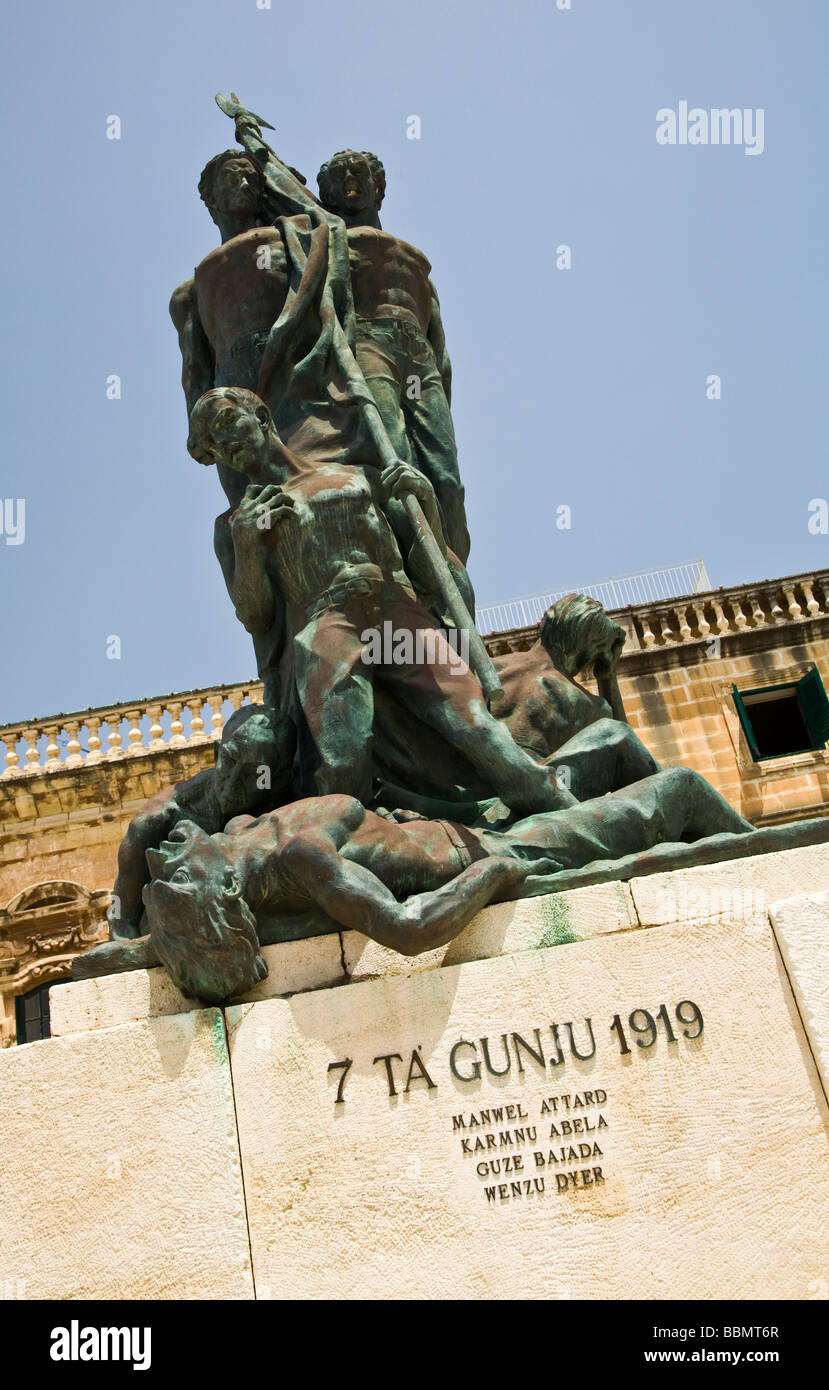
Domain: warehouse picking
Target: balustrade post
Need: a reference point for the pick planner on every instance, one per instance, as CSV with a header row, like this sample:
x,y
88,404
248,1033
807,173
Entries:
x,y
719,614
114,738
812,605
702,622
12,757
93,743
197,734
177,738
135,736
52,759
648,634
32,756
73,745
217,719
156,735
795,611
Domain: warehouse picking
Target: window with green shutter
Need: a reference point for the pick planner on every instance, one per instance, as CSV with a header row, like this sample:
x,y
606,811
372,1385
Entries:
x,y
784,719
815,706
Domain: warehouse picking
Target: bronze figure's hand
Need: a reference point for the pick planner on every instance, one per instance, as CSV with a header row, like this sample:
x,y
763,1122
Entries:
x,y
262,507
402,478
607,659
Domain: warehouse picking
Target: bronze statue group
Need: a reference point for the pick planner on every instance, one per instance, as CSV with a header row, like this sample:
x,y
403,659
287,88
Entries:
x,y
393,796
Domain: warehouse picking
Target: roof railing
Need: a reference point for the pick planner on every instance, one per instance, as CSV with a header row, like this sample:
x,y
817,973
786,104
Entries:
x,y
646,586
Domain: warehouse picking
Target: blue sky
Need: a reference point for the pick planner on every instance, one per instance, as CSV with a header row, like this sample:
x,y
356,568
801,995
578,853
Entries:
x,y
584,387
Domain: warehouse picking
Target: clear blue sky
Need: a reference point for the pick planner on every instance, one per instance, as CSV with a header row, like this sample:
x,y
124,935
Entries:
x,y
584,387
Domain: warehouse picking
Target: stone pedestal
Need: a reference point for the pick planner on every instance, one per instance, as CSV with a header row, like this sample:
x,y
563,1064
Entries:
x,y
615,1092
120,1164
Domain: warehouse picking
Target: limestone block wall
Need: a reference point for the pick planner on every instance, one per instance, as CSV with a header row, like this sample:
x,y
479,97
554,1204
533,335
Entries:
x,y
59,838
68,824
681,705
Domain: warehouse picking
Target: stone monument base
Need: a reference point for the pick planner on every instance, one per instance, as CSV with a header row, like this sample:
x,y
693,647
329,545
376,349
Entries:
x,y
615,1092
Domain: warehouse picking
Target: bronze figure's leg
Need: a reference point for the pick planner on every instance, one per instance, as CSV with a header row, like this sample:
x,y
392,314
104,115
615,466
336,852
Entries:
x,y
335,692
673,806
603,757
420,430
435,453
446,695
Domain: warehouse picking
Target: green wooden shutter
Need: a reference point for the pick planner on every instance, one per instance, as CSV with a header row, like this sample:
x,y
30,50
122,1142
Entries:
x,y
746,723
815,706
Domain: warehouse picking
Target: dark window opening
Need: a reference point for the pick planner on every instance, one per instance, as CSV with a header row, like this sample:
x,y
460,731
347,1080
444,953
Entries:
x,y
781,720
779,726
32,1015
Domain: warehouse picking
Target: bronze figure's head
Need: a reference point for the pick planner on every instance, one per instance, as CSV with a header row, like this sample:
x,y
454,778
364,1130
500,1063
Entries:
x,y
232,184
201,928
231,425
352,184
577,634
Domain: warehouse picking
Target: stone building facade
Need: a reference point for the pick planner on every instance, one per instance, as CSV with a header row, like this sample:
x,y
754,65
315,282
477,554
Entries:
x,y
732,683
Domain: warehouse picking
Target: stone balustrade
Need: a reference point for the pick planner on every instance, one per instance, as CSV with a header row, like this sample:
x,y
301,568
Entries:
x,y
112,732
702,617
725,612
